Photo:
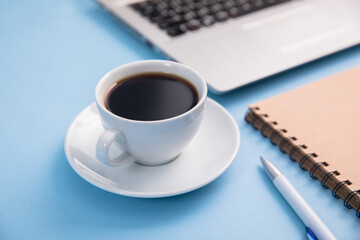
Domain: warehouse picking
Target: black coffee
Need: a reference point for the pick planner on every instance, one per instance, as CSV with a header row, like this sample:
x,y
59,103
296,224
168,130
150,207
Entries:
x,y
151,96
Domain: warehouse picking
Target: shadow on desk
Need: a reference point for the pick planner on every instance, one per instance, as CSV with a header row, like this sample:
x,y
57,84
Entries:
x,y
107,210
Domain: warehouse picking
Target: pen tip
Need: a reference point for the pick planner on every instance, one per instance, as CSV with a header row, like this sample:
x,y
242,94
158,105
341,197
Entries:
x,y
272,171
263,161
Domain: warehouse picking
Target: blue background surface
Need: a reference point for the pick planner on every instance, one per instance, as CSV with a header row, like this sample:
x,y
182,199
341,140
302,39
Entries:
x,y
52,54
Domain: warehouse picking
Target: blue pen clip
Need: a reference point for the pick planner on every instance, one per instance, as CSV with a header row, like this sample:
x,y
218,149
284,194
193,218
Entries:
x,y
310,234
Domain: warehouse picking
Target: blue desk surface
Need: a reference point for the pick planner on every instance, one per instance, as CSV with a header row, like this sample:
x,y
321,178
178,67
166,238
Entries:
x,y
52,54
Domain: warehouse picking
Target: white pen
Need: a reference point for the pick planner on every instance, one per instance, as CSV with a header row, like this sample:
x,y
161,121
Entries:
x,y
302,209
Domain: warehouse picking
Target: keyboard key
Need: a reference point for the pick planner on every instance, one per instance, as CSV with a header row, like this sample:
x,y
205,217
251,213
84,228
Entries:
x,y
171,22
259,4
171,13
193,25
221,16
246,7
216,8
175,3
157,19
185,9
241,2
203,12
190,15
176,17
176,31
161,7
229,4
207,21
199,5
234,12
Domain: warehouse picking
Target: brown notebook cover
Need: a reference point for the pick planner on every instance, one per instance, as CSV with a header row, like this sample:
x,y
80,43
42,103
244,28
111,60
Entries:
x,y
318,125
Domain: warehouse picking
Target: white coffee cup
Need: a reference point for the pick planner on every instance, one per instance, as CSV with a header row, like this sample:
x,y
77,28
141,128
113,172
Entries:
x,y
148,142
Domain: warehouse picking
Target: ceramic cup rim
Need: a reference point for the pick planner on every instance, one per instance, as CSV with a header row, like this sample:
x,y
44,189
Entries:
x,y
202,92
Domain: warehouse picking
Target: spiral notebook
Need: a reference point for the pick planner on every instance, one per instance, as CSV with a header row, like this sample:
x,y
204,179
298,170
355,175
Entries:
x,y
318,126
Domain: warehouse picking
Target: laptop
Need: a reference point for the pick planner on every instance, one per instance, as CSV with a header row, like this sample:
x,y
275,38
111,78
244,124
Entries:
x,y
235,42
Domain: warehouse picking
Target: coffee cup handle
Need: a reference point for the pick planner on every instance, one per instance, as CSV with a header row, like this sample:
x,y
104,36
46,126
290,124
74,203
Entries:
x,y
105,140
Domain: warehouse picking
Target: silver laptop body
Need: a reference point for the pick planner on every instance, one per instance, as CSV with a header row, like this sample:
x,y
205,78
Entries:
x,y
241,50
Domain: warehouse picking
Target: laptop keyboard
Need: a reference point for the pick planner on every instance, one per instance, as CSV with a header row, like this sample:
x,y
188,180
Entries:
x,y
177,17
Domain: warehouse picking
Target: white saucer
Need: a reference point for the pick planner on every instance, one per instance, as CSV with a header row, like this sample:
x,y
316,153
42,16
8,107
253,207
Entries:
x,y
208,155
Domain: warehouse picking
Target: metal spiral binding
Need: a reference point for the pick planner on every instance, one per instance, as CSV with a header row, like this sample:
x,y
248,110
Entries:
x,y
285,140
349,197
315,167
275,133
264,126
304,158
327,176
294,150
338,186
256,118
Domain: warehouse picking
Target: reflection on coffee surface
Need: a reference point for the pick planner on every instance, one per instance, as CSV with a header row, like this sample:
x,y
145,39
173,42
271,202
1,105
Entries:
x,y
151,96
